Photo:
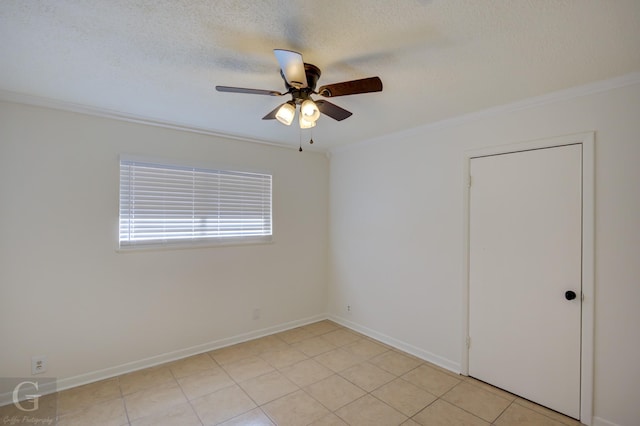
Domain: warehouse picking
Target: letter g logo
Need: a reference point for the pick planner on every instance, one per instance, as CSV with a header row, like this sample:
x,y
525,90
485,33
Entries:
x,y
34,398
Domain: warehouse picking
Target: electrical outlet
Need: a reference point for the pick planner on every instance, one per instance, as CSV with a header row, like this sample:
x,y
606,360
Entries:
x,y
38,364
256,314
348,308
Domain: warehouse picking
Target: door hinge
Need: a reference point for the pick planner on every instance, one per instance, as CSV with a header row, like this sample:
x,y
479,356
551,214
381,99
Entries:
x,y
469,181
468,342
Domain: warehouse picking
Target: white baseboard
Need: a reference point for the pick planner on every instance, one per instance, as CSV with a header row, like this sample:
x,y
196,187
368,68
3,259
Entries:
x,y
597,421
398,344
107,373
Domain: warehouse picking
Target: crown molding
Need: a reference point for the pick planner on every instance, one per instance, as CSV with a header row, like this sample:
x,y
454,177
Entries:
x,y
39,101
529,103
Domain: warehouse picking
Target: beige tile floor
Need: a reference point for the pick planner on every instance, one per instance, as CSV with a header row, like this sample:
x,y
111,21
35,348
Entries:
x,y
319,374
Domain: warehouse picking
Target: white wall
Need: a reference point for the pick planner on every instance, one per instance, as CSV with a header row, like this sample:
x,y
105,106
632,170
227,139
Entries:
x,y
66,293
396,234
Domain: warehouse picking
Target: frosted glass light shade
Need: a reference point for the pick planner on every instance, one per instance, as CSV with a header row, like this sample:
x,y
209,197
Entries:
x,y
309,110
286,113
305,124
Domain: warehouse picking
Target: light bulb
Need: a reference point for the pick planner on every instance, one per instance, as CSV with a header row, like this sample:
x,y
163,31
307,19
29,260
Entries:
x,y
309,110
306,124
286,113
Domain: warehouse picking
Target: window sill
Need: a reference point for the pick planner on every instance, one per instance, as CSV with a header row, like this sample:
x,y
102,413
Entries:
x,y
187,245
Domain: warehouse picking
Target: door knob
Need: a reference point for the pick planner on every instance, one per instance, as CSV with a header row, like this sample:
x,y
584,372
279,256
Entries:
x,y
570,295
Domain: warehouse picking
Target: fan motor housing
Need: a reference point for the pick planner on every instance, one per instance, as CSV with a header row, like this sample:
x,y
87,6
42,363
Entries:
x,y
312,73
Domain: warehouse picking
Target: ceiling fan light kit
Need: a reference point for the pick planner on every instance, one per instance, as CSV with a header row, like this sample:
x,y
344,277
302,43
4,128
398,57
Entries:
x,y
300,80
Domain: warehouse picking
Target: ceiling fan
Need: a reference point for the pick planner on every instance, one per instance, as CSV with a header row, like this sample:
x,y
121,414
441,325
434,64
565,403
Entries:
x,y
300,80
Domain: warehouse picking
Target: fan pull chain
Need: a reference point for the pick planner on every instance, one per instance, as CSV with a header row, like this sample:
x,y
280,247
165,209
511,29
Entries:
x,y
300,141
311,140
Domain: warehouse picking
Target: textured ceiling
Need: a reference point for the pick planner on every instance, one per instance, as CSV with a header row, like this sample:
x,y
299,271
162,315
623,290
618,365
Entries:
x,y
161,59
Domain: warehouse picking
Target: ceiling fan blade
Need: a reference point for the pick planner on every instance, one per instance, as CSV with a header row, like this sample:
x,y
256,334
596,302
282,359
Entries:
x,y
248,91
332,110
353,87
292,67
272,114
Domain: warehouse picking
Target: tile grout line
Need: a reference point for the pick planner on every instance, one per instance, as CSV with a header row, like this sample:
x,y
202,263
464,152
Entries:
x,y
124,401
185,395
423,408
502,412
515,401
473,414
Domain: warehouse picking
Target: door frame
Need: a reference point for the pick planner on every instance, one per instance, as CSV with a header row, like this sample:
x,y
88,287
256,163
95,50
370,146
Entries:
x,y
587,140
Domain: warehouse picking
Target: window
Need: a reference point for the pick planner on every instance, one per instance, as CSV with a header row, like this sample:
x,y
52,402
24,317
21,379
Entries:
x,y
164,204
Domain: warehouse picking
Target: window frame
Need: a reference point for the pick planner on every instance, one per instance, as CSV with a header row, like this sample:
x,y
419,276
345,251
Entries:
x,y
189,243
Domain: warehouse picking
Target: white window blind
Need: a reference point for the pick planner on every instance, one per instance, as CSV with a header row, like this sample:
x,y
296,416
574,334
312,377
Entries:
x,y
164,204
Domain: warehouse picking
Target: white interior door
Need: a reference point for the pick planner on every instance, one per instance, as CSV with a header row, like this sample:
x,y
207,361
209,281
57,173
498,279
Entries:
x,y
525,246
